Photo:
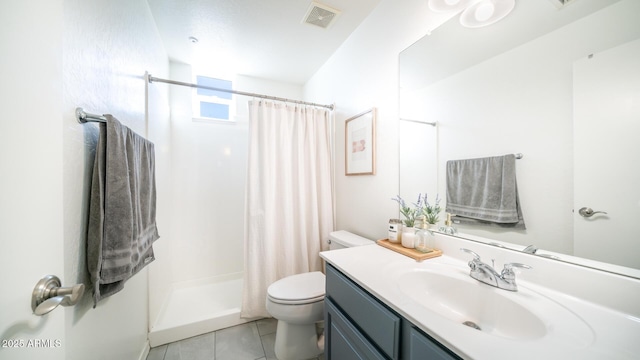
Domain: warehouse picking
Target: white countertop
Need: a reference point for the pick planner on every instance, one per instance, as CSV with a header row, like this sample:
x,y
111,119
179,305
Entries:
x,y
587,330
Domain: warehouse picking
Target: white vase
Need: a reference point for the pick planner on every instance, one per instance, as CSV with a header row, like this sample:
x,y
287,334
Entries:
x,y
408,237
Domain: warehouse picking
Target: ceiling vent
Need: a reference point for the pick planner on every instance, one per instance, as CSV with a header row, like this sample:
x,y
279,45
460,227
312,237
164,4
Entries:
x,y
320,15
561,3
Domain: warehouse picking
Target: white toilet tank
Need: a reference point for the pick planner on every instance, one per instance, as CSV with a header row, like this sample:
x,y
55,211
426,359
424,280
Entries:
x,y
343,239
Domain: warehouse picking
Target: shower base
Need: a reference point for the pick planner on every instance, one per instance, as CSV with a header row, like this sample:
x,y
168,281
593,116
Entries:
x,y
197,309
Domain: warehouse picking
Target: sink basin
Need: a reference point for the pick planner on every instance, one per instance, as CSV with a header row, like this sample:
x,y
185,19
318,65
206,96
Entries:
x,y
522,315
473,304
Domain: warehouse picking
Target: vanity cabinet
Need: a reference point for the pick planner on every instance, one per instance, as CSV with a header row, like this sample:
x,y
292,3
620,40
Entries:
x,y
421,346
358,326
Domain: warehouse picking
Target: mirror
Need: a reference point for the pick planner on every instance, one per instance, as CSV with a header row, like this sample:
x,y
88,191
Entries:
x,y
520,86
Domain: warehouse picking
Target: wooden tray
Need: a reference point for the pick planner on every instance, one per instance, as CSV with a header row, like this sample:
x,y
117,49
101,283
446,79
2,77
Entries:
x,y
412,253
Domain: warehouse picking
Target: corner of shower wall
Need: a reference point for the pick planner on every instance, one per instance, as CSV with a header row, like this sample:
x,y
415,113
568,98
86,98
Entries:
x,y
159,132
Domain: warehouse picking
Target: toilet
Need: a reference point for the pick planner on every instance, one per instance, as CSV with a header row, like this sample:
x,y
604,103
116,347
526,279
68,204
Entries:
x,y
297,302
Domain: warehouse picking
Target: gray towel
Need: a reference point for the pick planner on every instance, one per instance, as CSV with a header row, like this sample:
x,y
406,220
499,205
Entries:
x,y
122,210
484,191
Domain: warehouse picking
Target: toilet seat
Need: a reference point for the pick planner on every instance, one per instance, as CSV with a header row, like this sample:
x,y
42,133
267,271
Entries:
x,y
298,289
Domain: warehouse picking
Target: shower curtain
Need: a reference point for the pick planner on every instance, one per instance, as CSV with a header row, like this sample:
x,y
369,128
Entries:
x,y
289,210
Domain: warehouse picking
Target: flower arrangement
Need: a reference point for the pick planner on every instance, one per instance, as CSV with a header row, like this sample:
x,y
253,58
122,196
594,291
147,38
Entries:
x,y
410,214
431,212
421,209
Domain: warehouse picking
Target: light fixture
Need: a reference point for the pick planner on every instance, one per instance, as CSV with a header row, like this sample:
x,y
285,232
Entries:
x,y
486,12
475,13
193,39
449,5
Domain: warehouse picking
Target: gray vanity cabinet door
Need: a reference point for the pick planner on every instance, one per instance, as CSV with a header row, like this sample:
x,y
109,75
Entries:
x,y
422,347
372,319
346,342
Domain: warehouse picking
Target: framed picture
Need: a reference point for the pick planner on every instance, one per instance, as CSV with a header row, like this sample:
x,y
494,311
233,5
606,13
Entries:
x,y
360,144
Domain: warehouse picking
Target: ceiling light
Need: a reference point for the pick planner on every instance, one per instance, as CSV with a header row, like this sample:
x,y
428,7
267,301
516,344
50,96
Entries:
x,y
449,5
475,13
193,39
486,12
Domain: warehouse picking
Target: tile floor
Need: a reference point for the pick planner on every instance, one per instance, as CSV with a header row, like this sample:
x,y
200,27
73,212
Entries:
x,y
250,341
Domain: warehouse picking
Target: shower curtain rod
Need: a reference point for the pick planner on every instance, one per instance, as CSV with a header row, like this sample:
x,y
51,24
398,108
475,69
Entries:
x,y
173,82
420,122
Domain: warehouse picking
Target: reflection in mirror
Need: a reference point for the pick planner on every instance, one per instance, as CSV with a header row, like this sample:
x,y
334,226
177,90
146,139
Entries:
x,y
606,127
418,150
519,87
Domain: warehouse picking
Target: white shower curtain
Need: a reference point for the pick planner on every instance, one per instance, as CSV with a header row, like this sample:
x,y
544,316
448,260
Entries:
x,y
289,211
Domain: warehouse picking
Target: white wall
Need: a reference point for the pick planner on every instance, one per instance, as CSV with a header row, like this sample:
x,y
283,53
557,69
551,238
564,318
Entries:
x,y
108,45
208,189
361,74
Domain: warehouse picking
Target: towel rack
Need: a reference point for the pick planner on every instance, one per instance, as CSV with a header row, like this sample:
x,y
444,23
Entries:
x,y
434,124
84,116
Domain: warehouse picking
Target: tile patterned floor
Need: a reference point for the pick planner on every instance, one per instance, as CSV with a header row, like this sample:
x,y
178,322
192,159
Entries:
x,y
250,341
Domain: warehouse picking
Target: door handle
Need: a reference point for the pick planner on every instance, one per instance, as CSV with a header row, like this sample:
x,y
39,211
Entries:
x,y
588,212
49,293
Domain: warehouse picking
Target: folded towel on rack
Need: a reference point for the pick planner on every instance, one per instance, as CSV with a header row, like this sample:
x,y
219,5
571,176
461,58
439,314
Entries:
x,y
484,191
122,211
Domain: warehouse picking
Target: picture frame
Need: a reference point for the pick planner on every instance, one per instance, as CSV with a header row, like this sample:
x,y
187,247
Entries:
x,y
360,144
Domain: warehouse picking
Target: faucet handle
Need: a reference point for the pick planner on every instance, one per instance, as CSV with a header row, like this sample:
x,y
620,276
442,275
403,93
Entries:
x,y
510,266
508,269
475,256
473,264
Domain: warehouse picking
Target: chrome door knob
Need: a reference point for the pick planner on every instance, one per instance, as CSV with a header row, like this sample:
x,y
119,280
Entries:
x,y
588,212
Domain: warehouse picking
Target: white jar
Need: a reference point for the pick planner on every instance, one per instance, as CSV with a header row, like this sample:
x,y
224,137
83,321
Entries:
x,y
408,237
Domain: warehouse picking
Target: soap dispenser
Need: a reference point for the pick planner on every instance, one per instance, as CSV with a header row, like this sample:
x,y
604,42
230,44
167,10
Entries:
x,y
447,228
424,239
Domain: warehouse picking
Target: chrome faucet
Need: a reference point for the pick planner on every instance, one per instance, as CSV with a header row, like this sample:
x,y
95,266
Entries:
x,y
487,274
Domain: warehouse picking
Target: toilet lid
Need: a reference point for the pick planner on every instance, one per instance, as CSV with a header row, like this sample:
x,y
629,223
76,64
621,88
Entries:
x,y
300,288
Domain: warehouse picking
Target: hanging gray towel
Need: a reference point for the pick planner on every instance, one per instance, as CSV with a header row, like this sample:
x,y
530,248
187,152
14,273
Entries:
x,y
122,210
484,191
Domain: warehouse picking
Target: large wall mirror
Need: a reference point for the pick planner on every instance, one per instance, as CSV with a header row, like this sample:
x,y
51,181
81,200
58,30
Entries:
x,y
559,86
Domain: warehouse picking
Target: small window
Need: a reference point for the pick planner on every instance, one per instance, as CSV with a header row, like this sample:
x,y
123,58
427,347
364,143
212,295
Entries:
x,y
214,110
213,104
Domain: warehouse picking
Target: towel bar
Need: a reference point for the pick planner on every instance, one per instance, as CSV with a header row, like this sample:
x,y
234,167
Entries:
x,y
84,116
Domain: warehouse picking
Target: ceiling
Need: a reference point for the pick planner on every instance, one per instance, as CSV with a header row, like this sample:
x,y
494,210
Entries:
x,y
266,39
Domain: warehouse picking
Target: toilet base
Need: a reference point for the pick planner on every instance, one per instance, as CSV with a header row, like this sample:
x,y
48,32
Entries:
x,y
295,342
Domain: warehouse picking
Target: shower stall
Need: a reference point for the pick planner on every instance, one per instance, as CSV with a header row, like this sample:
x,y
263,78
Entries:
x,y
195,286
